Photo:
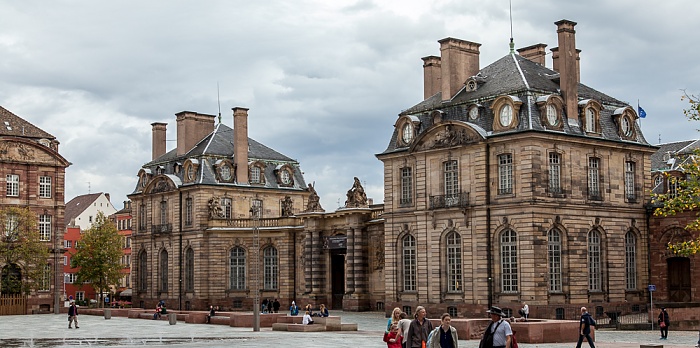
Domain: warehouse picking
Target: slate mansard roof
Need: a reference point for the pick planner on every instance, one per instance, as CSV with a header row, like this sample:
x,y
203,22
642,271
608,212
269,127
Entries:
x,y
216,146
519,77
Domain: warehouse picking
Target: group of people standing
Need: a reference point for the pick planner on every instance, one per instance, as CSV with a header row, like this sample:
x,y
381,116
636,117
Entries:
x,y
269,306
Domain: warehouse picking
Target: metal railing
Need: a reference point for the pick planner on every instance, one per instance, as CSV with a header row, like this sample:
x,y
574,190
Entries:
x,y
459,200
162,229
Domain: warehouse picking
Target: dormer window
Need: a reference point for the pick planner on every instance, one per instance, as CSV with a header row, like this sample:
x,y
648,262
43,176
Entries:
x,y
144,177
285,175
407,133
190,172
406,126
506,109
474,112
256,173
552,116
590,115
550,107
625,118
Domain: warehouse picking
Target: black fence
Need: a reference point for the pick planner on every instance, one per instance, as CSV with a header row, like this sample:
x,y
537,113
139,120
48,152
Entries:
x,y
621,316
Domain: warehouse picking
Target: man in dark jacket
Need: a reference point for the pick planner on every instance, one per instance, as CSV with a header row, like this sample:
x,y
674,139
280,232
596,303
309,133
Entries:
x,y
73,315
419,329
584,328
276,305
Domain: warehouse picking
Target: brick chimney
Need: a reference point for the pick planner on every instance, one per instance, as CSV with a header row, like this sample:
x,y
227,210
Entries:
x,y
431,76
568,81
158,139
534,53
555,62
191,128
459,61
240,144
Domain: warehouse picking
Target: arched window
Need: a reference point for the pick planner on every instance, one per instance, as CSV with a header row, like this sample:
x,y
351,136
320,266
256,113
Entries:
x,y
163,270
630,261
509,261
143,271
271,269
189,270
554,260
454,262
409,263
595,273
237,269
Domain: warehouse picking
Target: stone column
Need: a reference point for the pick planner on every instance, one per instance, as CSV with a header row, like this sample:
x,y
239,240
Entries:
x,y
360,267
307,262
350,262
317,274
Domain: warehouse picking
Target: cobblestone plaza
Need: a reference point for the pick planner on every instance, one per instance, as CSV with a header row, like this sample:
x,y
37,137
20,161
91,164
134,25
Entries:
x,y
51,330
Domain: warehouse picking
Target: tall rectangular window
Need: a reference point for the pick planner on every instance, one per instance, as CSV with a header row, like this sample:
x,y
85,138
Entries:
x,y
505,173
11,225
270,268
554,258
44,227
629,180
142,217
406,186
226,207
189,269
188,211
409,263
163,212
554,172
594,177
255,175
509,261
630,261
454,262
451,174
595,274
12,181
45,281
45,186
257,207
163,284
237,269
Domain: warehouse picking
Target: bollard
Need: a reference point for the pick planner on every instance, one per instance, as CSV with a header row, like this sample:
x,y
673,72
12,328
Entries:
x,y
108,313
172,318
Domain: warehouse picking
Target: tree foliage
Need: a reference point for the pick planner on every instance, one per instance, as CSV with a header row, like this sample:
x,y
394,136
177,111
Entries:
x,y
21,250
687,194
98,255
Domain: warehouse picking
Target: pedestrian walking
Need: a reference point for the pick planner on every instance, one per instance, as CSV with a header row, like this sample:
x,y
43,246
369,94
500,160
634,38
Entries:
x,y
584,328
276,306
419,330
663,323
445,335
73,315
404,324
498,334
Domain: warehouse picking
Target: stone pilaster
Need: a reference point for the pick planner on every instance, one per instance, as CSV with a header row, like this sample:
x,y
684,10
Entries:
x,y
307,263
317,272
350,262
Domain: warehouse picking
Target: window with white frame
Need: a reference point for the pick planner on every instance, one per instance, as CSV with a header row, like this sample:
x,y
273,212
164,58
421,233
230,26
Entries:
x,y
69,278
554,172
45,186
451,176
44,227
11,225
594,177
270,268
595,273
255,175
630,261
509,261
67,244
590,119
12,181
409,263
406,186
237,269
226,207
65,260
454,261
674,185
80,295
257,205
629,180
505,173
554,260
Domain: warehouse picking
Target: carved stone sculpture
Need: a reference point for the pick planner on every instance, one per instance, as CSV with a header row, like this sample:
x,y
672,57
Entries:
x,y
215,210
287,206
314,200
356,196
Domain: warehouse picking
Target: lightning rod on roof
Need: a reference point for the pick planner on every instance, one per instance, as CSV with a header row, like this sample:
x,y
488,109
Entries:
x,y
510,14
218,100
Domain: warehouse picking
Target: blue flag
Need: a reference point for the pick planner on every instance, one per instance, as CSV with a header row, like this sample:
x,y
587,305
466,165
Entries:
x,y
642,113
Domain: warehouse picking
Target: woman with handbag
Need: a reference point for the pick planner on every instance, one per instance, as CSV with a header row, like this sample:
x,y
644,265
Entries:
x,y
663,323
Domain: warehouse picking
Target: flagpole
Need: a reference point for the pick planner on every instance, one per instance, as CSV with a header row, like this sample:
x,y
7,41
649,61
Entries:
x,y
640,118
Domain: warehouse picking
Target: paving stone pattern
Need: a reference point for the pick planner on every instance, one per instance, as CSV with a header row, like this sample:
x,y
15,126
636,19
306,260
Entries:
x,y
51,330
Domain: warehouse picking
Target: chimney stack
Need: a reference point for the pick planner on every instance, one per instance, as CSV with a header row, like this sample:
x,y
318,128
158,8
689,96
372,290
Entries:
x,y
240,144
534,53
568,80
158,139
191,128
459,61
431,76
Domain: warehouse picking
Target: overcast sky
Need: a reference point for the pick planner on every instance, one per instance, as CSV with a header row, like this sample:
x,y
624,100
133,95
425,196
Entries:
x,y
324,80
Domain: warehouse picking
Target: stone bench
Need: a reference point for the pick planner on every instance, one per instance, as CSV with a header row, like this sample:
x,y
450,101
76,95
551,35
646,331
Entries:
x,y
290,319
280,326
220,320
348,327
305,328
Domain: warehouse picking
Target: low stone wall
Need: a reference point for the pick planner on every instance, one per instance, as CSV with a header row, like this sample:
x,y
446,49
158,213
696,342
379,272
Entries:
x,y
532,331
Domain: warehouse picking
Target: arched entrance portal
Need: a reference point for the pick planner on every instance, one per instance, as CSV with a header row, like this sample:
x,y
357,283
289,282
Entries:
x,y
679,279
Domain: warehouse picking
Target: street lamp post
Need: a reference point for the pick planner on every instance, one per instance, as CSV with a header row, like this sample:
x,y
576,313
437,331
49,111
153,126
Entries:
x,y
254,210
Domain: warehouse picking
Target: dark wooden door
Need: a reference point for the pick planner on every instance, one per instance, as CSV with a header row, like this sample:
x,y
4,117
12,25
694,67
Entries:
x,y
679,279
337,278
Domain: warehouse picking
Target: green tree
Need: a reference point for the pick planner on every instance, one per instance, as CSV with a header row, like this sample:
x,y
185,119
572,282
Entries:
x,y
23,257
98,255
687,195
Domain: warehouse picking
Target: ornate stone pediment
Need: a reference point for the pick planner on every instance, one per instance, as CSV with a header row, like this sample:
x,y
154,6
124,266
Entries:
x,y
13,150
448,135
160,184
